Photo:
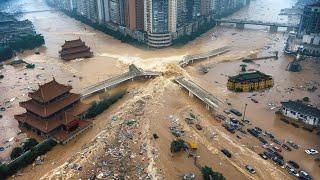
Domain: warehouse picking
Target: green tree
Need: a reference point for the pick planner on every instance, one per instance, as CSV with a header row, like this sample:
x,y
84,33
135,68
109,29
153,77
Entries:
x,y
5,53
209,174
28,144
177,145
306,99
98,108
243,67
16,152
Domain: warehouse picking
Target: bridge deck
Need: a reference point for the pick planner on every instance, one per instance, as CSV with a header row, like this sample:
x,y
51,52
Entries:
x,y
240,21
195,57
133,72
206,97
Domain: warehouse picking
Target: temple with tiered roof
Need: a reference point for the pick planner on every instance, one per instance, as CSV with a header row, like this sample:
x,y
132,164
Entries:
x,y
75,49
53,111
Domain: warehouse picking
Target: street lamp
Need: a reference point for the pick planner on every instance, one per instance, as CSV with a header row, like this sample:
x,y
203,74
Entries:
x,y
244,112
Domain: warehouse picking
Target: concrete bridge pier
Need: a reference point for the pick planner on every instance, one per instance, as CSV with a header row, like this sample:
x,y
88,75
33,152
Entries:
x,y
207,107
190,94
273,29
240,26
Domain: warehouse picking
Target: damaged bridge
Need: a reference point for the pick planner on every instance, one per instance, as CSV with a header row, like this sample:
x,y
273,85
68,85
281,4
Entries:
x,y
211,102
190,59
133,73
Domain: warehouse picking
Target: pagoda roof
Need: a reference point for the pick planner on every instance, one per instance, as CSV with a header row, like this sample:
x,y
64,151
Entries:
x,y
73,43
43,125
75,50
253,76
45,110
86,54
49,91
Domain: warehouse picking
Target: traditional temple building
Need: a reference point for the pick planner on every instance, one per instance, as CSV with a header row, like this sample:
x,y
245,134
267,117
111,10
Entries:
x,y
53,111
249,81
75,49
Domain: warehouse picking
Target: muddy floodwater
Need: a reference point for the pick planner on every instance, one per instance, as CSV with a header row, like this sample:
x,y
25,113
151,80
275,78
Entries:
x,y
111,57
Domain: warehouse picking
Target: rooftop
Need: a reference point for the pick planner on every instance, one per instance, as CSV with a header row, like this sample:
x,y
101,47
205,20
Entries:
x,y
302,108
249,76
50,108
73,43
49,91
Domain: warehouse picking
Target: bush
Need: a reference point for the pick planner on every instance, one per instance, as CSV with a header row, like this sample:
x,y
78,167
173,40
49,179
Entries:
x,y
176,145
27,42
26,158
209,174
28,144
16,152
98,108
5,53
306,99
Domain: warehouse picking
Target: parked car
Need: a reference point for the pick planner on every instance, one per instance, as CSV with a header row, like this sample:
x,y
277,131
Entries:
x,y
231,129
304,175
268,154
254,132
254,100
199,127
226,152
220,117
226,111
278,155
276,148
278,161
261,139
292,144
263,156
311,151
276,141
293,164
189,176
269,134
235,112
286,147
258,129
292,170
250,169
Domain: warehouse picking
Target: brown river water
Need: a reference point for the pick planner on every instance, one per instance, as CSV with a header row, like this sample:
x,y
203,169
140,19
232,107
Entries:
x,y
112,57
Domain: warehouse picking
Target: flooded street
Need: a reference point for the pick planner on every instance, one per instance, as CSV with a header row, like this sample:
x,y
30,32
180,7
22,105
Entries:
x,y
111,57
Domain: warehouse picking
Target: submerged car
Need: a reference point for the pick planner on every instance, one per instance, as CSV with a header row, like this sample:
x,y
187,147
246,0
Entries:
x,y
311,151
263,156
250,169
304,175
226,152
235,112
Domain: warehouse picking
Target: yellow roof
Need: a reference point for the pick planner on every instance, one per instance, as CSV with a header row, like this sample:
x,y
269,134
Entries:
x,y
193,145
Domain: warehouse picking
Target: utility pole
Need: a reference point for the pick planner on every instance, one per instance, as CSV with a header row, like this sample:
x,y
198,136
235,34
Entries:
x,y
244,112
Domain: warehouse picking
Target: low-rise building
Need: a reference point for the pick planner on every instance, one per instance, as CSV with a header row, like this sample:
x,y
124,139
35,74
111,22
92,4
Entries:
x,y
249,81
299,111
75,49
53,111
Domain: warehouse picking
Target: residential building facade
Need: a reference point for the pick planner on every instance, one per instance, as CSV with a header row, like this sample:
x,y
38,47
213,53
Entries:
x,y
155,22
301,112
